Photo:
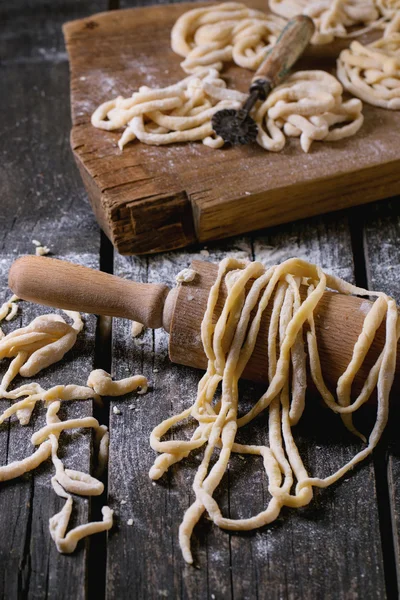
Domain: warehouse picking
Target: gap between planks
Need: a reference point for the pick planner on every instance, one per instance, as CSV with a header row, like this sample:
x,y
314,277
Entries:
x,y
380,456
97,558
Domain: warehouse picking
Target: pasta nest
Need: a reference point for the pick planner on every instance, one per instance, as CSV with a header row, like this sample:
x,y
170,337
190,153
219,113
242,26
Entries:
x,y
178,113
332,18
372,72
209,37
308,105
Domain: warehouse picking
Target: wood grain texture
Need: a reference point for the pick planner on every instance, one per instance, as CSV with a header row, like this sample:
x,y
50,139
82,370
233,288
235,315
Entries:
x,y
150,547
329,550
61,284
286,52
381,230
150,198
43,199
303,552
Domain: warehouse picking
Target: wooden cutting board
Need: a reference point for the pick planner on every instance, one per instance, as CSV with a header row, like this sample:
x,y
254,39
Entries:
x,y
150,199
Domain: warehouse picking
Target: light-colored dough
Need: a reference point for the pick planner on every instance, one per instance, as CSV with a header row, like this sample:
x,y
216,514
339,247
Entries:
x,y
103,384
228,342
390,9
212,36
42,343
177,113
332,18
67,542
8,310
42,250
186,276
308,105
136,328
372,72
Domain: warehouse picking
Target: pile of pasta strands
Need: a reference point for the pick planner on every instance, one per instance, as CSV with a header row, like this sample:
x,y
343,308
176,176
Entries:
x,y
308,105
32,348
372,72
338,18
229,343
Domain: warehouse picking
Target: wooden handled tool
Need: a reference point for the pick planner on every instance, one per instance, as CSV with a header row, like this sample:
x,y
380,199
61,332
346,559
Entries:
x,y
236,126
60,284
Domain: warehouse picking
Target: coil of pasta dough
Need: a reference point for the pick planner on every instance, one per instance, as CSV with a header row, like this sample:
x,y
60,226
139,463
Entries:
x,y
240,303
214,35
372,72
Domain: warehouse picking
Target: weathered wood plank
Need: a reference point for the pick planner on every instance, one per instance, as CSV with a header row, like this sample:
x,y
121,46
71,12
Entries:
x,y
31,29
324,550
297,555
148,553
381,230
150,199
43,199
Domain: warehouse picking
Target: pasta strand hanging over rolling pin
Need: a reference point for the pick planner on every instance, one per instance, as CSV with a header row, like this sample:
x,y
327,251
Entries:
x,y
293,289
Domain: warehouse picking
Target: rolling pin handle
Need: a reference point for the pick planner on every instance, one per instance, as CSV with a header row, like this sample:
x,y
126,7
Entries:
x,y
64,285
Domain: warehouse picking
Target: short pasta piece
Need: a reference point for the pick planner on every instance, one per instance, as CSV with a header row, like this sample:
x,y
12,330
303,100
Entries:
x,y
32,348
178,113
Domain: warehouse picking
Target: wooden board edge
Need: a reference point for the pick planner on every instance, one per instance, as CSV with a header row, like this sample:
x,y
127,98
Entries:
x,y
168,218
292,203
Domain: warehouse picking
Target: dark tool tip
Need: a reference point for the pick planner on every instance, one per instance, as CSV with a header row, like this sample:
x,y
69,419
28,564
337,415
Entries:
x,y
233,128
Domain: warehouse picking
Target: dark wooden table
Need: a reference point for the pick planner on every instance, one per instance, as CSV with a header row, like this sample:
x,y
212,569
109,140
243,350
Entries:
x,y
344,545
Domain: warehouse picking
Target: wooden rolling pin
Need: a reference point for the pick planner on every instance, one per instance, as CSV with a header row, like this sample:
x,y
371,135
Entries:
x,y
60,284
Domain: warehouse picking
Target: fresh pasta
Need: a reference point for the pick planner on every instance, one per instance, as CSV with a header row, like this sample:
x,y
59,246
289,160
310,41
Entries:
x,y
372,72
214,35
8,310
228,341
332,18
177,113
308,105
32,348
